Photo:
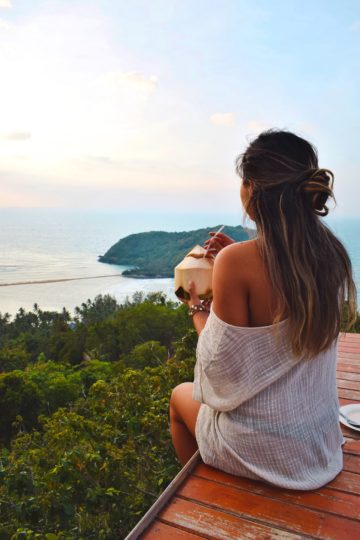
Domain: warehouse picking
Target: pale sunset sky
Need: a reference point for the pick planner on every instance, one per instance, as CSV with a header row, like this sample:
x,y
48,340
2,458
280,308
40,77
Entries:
x,y
146,104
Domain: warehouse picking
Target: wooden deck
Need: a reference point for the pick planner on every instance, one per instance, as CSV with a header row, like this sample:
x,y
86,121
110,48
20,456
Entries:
x,y
203,502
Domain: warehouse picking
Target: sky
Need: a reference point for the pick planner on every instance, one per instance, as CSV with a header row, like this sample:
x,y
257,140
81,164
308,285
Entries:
x,y
136,104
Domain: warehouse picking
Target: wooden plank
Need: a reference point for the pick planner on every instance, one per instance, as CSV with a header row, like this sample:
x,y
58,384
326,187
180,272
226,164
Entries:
x,y
349,337
271,512
349,353
352,463
347,482
349,384
213,523
162,531
348,375
354,395
327,500
351,347
348,349
343,401
350,433
348,358
352,368
352,446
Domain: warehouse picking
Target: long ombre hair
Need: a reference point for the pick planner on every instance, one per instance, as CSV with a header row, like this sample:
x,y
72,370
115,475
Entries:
x,y
308,266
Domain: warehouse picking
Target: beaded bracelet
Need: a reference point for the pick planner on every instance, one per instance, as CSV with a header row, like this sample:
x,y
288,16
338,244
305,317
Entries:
x,y
196,308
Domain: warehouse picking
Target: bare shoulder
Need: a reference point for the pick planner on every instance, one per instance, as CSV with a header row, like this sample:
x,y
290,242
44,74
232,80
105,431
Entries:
x,y
233,268
238,258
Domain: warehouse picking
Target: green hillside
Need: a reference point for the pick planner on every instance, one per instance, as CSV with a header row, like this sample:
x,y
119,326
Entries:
x,y
85,446
154,254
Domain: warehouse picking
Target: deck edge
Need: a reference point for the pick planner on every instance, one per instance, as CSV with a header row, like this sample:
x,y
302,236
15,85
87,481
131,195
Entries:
x,y
164,498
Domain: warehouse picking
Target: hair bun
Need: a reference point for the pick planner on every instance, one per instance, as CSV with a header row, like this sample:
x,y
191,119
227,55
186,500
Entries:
x,y
317,185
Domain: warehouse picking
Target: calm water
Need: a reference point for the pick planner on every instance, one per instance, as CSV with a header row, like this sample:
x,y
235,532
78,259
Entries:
x,y
44,244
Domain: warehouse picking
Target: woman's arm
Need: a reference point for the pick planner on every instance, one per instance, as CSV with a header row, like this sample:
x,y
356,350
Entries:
x,y
199,317
199,320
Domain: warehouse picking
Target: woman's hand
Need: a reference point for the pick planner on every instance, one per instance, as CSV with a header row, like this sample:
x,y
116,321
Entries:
x,y
194,298
199,318
216,243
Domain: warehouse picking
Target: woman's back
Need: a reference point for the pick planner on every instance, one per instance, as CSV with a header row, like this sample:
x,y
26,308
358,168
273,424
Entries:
x,y
249,298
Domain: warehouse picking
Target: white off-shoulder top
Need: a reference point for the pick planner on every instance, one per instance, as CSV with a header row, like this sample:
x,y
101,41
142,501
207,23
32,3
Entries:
x,y
265,414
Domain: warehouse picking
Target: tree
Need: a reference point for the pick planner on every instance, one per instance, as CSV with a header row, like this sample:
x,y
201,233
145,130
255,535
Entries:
x,y
148,354
97,310
18,397
93,470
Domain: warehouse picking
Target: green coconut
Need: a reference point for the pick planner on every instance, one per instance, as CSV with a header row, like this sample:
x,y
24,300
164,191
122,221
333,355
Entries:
x,y
197,268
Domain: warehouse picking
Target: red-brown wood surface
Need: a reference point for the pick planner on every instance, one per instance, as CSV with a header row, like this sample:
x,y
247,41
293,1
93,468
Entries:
x,y
162,531
213,504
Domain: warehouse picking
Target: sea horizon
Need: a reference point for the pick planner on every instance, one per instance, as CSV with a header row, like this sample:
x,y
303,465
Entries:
x,y
50,244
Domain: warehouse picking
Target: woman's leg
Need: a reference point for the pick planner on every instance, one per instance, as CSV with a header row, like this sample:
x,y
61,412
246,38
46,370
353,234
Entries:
x,y
183,414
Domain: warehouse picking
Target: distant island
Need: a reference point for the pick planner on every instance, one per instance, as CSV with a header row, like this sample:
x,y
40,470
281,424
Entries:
x,y
155,254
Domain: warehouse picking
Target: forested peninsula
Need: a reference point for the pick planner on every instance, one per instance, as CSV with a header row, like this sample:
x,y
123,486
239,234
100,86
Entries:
x,y
155,254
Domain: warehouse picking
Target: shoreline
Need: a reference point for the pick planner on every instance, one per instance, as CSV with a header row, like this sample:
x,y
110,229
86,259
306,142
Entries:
x,y
61,280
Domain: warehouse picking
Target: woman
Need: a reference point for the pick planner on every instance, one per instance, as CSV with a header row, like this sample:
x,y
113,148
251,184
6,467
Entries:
x,y
263,404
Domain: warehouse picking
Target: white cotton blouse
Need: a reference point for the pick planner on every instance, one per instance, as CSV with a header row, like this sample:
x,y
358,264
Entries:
x,y
266,415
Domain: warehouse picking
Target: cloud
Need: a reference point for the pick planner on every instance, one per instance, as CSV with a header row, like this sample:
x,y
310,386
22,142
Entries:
x,y
16,136
102,160
5,4
80,94
42,189
223,119
355,26
254,126
4,25
134,83
134,77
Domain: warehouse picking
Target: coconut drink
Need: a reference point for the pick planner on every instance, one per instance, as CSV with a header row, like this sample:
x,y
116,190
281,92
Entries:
x,y
195,267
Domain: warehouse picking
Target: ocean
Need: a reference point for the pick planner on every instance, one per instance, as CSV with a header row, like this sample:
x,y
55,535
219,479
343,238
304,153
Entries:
x,y
55,244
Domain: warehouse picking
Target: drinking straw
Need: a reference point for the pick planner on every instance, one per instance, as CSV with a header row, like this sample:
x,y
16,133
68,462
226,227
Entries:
x,y
217,232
